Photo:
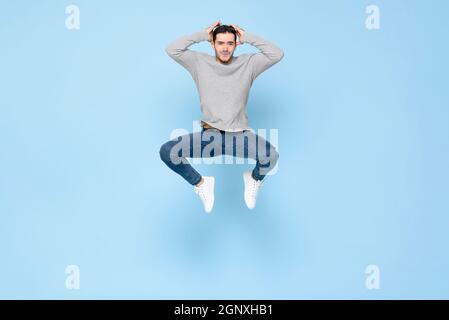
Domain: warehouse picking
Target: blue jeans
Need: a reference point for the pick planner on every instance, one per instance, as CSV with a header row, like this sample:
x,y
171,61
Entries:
x,y
213,142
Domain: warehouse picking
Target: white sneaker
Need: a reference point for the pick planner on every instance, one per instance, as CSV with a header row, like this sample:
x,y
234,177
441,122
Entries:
x,y
252,187
206,193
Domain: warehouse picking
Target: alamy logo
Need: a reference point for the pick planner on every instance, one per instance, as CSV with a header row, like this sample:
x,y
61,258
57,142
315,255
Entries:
x,y
214,147
72,21
372,22
73,279
372,281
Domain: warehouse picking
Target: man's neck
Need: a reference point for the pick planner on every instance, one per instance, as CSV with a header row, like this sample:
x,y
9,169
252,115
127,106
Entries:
x,y
228,62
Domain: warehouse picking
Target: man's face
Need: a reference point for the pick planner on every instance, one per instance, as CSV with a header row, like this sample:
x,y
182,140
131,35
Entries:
x,y
224,47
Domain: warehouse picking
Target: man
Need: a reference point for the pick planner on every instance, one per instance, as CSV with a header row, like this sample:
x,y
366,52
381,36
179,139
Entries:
x,y
223,83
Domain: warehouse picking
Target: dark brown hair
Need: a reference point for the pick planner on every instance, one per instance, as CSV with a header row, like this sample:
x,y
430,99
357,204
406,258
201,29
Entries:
x,y
224,29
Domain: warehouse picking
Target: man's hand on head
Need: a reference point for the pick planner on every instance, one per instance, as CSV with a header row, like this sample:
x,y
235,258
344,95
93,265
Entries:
x,y
240,33
210,30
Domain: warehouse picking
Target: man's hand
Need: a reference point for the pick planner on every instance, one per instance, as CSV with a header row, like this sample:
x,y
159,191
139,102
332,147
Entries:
x,y
211,29
240,33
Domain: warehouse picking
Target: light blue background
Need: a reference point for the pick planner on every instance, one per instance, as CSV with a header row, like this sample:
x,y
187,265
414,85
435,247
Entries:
x,y
363,140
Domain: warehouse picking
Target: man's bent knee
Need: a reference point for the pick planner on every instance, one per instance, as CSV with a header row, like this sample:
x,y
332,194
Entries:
x,y
165,150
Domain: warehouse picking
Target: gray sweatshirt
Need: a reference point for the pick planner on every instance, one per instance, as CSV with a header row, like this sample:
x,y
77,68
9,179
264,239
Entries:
x,y
224,88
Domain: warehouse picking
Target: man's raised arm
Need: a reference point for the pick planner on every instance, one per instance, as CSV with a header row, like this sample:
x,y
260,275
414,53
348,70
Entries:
x,y
269,53
178,49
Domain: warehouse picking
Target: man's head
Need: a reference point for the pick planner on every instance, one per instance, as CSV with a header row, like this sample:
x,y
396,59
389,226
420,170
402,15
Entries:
x,y
224,39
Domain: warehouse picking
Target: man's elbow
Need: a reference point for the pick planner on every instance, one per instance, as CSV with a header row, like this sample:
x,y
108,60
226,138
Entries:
x,y
172,50
169,50
276,55
279,55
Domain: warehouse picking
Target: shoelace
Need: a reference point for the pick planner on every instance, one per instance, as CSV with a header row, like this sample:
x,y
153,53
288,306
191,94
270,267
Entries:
x,y
200,192
255,183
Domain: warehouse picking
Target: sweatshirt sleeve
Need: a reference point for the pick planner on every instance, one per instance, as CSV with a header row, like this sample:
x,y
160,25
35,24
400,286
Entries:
x,y
178,50
269,54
